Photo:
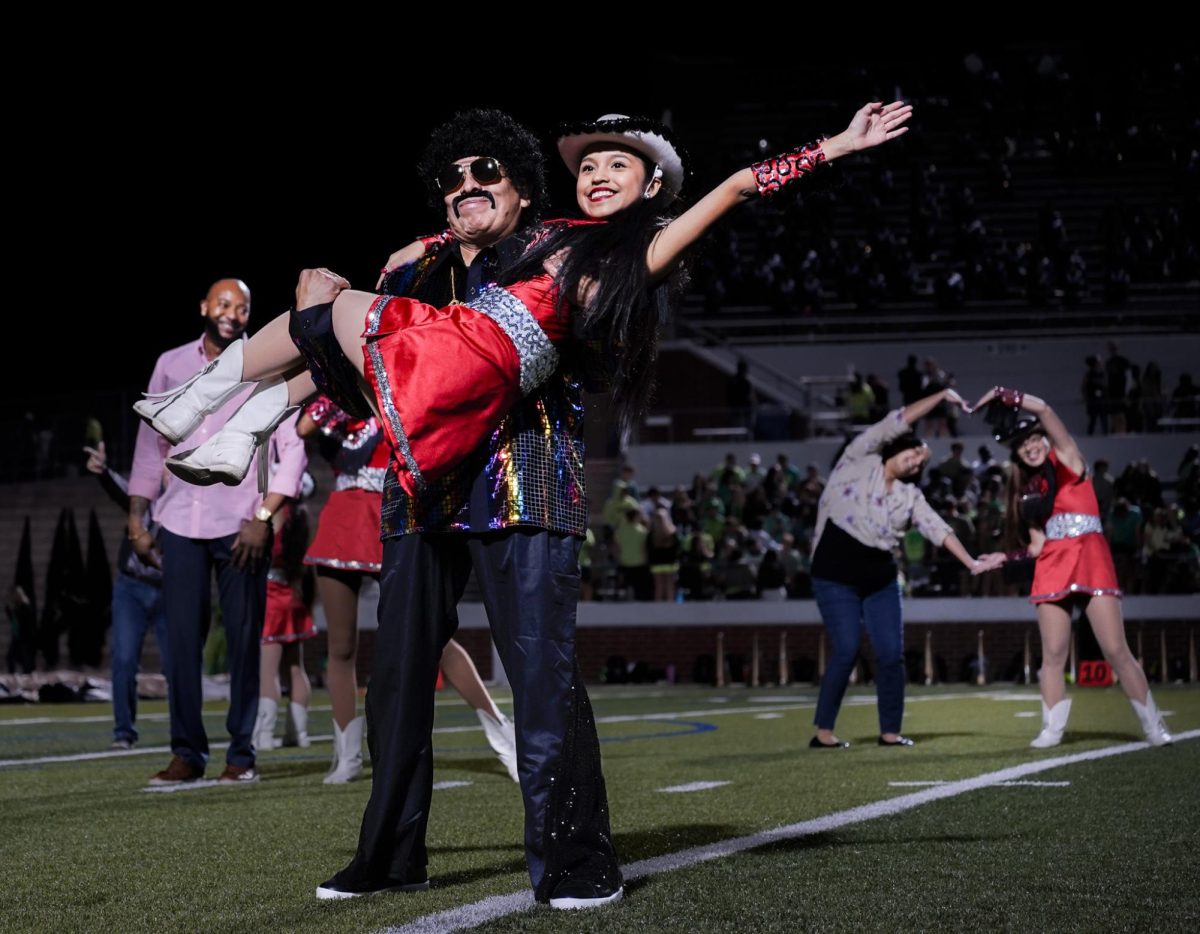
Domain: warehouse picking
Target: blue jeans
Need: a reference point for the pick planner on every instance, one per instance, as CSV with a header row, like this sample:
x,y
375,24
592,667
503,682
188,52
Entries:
x,y
136,607
843,612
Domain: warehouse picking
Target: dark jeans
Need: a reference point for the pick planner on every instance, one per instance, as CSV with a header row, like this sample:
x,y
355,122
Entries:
x,y
137,606
844,612
529,579
188,566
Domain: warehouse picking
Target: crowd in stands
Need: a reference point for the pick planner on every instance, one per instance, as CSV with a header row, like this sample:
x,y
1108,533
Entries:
x,y
932,220
744,531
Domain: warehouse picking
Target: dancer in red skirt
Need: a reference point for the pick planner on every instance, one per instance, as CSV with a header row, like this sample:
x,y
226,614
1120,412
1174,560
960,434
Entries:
x,y
346,550
287,625
1052,511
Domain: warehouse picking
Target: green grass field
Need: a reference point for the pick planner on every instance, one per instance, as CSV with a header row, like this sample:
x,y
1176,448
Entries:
x,y
1109,843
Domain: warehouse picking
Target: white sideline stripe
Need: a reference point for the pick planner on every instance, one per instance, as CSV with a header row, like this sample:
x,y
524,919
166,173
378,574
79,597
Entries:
x,y
942,781
449,702
158,750
767,716
442,786
1035,784
865,700
162,717
691,786
1026,713
498,906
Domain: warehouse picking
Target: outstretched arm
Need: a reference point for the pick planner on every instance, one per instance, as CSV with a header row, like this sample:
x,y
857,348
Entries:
x,y
410,254
1060,438
871,126
916,411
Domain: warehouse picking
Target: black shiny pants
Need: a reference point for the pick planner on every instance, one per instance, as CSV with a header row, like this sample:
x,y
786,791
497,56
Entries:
x,y
529,580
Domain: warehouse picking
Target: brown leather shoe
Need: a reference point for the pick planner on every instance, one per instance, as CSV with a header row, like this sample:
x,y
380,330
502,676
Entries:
x,y
178,772
238,775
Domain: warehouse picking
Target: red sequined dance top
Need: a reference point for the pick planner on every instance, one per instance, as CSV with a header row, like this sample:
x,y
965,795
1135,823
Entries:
x,y
1076,558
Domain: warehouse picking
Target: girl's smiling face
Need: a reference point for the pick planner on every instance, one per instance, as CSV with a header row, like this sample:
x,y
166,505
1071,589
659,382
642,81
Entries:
x,y
611,179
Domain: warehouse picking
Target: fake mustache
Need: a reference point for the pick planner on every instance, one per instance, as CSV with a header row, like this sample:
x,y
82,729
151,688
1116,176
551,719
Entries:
x,y
477,193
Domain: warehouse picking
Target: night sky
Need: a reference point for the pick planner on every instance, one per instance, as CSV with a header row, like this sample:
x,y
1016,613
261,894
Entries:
x,y
155,173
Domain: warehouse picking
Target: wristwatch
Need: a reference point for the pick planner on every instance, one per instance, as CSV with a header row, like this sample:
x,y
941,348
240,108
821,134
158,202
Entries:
x,y
263,514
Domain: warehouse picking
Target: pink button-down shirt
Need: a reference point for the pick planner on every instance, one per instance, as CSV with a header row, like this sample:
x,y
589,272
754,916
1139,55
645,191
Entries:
x,y
206,511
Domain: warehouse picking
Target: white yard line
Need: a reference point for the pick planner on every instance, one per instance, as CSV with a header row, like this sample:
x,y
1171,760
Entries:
x,y
691,786
499,906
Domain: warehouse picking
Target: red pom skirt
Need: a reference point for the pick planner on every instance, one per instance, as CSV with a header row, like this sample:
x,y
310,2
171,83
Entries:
x,y
287,619
347,536
1080,565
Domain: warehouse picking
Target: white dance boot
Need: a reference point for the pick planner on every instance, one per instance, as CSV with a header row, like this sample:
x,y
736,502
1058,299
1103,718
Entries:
x,y
264,725
1054,722
227,455
502,737
178,412
347,753
1152,722
296,733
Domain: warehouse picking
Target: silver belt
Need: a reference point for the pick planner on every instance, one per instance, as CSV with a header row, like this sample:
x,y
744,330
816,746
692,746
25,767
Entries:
x,y
536,353
365,478
277,576
1072,525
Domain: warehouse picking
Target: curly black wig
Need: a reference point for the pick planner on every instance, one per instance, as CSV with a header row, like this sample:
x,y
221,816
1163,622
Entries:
x,y
487,133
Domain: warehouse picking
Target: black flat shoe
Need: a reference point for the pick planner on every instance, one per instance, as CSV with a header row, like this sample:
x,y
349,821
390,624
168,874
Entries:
x,y
899,741
815,743
338,887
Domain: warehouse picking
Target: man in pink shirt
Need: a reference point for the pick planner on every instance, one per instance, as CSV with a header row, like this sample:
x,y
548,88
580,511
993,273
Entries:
x,y
206,529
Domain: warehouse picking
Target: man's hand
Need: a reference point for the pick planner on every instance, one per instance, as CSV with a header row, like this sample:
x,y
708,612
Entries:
x,y
97,461
146,548
250,546
318,287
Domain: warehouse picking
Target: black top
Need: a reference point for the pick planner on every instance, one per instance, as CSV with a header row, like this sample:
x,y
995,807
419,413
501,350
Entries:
x,y
842,558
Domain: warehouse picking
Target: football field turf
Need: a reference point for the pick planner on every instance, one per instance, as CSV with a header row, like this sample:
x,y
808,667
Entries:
x,y
724,820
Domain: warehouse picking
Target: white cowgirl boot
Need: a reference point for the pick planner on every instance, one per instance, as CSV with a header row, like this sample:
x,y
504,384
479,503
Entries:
x,y
178,412
347,753
227,455
1054,721
296,733
1152,722
502,737
264,725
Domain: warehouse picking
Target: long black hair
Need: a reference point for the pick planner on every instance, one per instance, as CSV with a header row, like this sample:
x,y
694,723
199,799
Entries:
x,y
1030,498
625,307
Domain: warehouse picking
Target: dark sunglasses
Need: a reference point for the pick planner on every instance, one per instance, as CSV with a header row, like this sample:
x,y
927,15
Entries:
x,y
485,170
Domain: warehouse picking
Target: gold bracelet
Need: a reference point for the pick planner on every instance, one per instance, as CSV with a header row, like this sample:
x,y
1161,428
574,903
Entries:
x,y
134,538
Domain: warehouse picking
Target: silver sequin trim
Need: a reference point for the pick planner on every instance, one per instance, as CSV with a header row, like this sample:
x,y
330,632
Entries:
x,y
373,314
1075,589
538,357
1072,525
386,398
367,566
366,478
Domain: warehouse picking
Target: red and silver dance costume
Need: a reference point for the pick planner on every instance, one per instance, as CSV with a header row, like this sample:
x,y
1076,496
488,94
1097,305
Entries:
x,y
347,536
444,378
1076,558
287,618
